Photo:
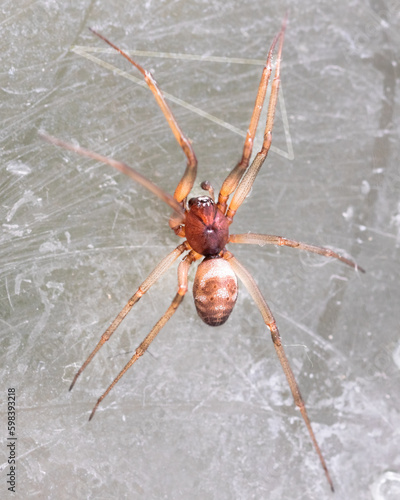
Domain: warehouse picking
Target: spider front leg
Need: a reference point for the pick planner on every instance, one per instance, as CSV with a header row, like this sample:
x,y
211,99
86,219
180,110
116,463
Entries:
x,y
231,182
269,239
183,270
236,179
159,270
269,320
186,183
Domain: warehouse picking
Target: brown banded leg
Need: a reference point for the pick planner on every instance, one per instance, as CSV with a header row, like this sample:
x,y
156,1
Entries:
x,y
182,289
269,320
247,180
231,182
269,239
160,269
186,183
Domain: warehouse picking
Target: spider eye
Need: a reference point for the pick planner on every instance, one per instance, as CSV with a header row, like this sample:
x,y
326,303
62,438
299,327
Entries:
x,y
201,201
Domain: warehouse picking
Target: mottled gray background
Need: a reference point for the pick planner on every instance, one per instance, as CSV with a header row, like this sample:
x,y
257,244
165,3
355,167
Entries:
x,y
207,413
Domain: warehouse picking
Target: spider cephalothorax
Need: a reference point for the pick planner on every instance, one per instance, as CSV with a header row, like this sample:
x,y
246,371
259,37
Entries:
x,y
205,227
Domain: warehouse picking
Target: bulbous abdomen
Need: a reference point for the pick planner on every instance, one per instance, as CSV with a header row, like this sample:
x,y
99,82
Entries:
x,y
215,290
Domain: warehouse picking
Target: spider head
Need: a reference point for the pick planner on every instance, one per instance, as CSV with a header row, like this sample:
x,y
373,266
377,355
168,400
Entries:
x,y
206,227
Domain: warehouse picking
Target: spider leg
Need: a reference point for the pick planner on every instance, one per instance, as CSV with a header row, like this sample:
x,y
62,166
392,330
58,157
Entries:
x,y
160,269
122,167
182,289
186,183
269,239
248,178
269,320
230,183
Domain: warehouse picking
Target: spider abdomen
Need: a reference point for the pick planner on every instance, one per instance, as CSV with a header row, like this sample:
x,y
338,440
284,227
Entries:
x,y
215,290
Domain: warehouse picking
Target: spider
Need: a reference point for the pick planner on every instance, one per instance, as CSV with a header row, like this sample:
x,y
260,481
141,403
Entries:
x,y
204,223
